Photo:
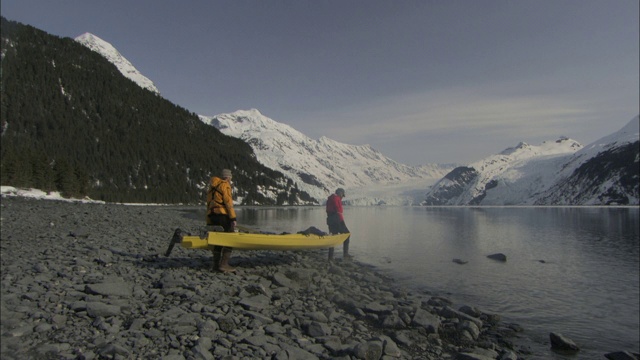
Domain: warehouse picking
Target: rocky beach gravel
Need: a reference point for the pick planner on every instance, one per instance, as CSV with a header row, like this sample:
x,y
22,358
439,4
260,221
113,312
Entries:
x,y
90,281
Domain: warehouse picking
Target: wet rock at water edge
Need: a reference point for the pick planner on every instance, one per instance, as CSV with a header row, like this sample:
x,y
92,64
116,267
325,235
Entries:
x,y
477,354
498,257
622,355
560,343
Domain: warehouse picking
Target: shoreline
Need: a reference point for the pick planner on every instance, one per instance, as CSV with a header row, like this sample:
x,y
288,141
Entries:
x,y
90,281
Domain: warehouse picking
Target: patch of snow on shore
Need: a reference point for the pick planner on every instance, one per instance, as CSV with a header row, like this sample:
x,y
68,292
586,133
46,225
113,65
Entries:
x,y
39,194
55,195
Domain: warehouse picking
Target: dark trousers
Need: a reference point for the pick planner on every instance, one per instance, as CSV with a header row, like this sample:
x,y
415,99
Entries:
x,y
220,220
336,226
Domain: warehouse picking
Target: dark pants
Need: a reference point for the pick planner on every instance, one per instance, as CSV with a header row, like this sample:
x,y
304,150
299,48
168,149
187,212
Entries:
x,y
337,226
220,220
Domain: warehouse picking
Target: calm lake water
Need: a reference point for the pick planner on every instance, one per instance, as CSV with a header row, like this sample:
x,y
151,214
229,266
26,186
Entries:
x,y
571,270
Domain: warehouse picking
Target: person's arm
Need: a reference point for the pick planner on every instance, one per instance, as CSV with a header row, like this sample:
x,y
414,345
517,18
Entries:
x,y
227,199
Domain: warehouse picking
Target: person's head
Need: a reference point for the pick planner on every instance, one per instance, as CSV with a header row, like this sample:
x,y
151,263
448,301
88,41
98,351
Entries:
x,y
226,174
340,192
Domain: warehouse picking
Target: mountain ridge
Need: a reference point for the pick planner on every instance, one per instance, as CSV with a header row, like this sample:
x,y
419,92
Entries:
x,y
604,172
320,166
109,52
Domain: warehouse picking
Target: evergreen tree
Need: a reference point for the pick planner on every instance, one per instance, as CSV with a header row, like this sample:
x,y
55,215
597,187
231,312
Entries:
x,y
65,178
42,172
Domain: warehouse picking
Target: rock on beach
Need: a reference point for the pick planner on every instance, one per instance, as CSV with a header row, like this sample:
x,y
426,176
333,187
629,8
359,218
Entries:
x,y
90,281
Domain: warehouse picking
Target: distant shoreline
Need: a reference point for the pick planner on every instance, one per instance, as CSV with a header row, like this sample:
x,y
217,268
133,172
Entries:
x,y
10,191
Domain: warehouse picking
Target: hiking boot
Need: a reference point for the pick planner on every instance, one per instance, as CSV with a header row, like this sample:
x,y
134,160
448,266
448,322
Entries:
x,y
224,261
345,249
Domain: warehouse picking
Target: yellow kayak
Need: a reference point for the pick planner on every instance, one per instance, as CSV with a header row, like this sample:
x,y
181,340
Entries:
x,y
257,241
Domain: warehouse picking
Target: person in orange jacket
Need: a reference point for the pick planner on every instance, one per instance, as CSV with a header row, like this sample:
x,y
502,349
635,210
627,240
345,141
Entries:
x,y
220,212
335,221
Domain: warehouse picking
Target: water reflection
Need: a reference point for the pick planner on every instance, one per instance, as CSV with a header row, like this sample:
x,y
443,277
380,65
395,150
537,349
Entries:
x,y
280,219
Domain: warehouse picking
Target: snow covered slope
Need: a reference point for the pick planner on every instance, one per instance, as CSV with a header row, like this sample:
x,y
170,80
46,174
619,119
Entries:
x,y
561,172
321,166
605,172
110,53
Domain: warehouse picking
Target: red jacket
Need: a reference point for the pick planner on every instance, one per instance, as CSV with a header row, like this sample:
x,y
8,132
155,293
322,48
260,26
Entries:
x,y
334,205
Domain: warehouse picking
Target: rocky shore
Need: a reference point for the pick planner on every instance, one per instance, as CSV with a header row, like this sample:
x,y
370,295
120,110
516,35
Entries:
x,y
90,281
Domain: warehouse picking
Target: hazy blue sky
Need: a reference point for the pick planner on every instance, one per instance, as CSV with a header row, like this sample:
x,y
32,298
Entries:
x,y
422,81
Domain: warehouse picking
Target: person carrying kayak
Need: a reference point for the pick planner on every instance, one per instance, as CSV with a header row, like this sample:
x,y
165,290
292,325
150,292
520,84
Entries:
x,y
335,221
220,212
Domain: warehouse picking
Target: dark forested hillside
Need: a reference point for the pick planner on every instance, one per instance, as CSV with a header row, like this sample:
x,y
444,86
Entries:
x,y
71,122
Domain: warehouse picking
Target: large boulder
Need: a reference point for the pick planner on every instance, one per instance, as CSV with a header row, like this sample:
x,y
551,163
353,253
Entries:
x,y
562,344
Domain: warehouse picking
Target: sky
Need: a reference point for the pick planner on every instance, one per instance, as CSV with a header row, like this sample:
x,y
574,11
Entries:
x,y
422,81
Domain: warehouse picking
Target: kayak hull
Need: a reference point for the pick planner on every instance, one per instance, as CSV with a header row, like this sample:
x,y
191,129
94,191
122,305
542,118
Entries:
x,y
251,241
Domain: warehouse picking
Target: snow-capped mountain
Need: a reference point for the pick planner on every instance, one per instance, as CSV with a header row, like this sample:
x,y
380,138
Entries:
x,y
560,172
320,166
110,53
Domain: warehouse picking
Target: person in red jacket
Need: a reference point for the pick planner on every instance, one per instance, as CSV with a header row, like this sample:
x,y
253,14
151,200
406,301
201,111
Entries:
x,y
335,221
220,212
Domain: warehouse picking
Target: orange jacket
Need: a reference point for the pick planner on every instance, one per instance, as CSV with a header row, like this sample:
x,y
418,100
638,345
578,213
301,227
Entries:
x,y
219,200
